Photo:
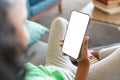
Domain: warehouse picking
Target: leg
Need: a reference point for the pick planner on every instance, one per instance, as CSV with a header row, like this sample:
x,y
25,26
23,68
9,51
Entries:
x,y
106,69
54,56
103,53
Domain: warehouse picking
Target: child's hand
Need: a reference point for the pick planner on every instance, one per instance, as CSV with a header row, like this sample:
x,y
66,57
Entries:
x,y
84,51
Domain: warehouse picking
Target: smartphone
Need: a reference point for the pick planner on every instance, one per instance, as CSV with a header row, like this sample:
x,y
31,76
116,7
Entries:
x,y
75,33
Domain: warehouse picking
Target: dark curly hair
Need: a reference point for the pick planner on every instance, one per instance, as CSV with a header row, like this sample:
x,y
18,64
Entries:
x,y
11,52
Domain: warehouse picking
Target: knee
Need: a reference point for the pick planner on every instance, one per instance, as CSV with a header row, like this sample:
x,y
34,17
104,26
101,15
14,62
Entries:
x,y
60,22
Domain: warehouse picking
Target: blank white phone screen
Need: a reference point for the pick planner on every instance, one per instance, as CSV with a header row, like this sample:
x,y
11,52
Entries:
x,y
75,33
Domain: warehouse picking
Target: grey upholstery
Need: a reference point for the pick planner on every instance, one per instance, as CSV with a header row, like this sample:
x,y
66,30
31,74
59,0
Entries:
x,y
37,53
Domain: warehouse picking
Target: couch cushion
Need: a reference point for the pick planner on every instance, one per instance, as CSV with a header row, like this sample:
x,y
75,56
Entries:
x,y
36,53
36,9
36,31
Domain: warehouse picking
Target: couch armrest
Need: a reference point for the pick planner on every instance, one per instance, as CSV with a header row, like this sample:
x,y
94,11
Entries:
x,y
37,53
105,46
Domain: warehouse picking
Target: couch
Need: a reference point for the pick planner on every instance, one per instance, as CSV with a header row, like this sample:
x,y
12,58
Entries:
x,y
38,8
37,52
37,49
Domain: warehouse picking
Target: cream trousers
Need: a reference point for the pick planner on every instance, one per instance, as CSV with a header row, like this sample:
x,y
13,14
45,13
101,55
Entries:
x,y
108,68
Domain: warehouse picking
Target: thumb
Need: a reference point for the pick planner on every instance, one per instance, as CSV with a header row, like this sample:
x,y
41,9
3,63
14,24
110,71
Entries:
x,y
84,51
85,43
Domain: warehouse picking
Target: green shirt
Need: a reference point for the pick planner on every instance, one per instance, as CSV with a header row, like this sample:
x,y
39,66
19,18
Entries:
x,y
43,73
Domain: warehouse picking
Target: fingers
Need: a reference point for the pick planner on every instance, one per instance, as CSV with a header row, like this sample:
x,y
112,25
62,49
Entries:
x,y
61,40
64,54
61,44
